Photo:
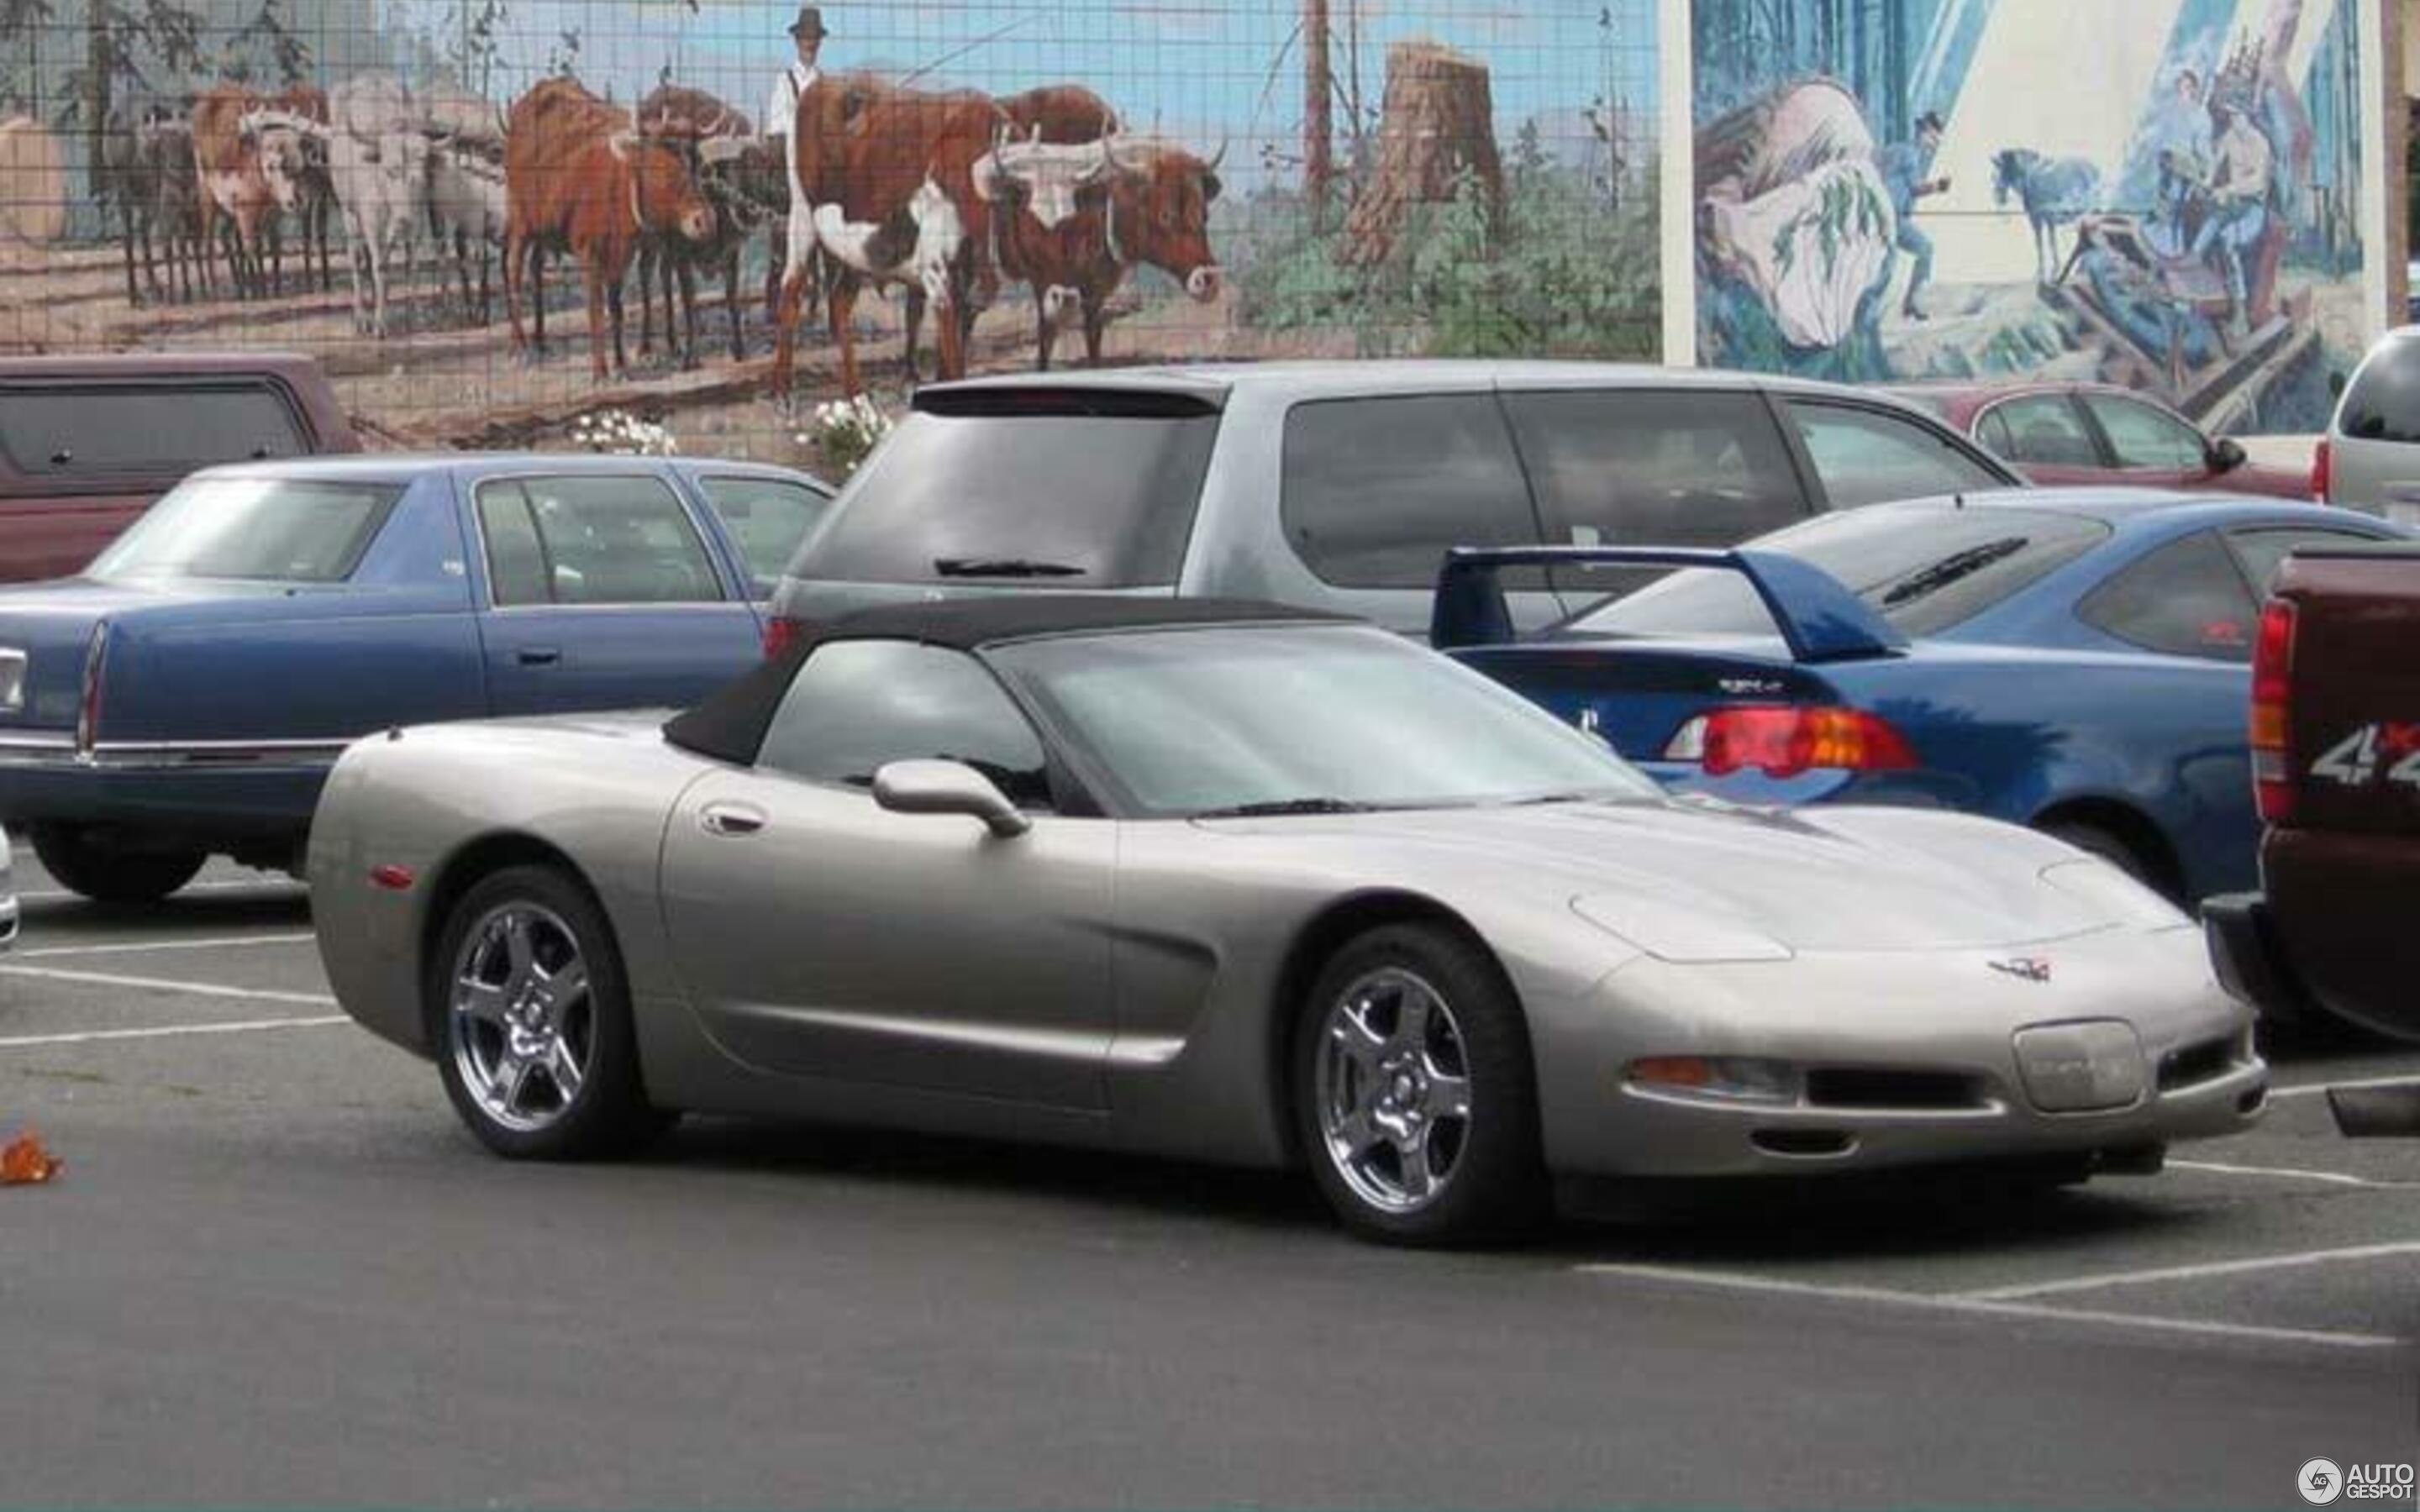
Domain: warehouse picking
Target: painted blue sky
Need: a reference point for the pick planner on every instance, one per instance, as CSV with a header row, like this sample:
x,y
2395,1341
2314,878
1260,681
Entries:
x,y
1194,67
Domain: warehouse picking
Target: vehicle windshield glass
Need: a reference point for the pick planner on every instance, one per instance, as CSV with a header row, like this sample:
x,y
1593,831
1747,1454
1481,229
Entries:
x,y
1059,499
271,530
1925,570
1192,721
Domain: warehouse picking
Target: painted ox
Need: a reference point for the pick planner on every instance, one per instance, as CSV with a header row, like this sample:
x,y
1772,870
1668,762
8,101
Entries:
x,y
1074,217
376,143
466,188
149,175
295,165
740,175
237,206
881,180
577,177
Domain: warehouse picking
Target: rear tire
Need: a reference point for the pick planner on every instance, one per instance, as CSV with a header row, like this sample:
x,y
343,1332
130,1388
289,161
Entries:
x,y
1415,1097
530,1015
107,875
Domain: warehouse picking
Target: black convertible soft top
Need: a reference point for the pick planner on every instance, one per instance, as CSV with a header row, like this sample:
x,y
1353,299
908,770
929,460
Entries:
x,y
731,725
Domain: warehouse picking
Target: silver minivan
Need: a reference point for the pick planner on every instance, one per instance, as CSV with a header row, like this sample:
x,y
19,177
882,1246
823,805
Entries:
x,y
2370,457
1340,485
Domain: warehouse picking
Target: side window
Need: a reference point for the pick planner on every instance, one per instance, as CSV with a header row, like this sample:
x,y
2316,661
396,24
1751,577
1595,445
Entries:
x,y
2187,598
595,540
857,705
2042,430
2260,552
1865,457
1376,490
766,518
2147,437
128,428
2384,403
1618,467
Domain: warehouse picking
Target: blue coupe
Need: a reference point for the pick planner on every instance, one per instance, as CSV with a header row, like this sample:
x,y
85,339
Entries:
x,y
187,695
2076,660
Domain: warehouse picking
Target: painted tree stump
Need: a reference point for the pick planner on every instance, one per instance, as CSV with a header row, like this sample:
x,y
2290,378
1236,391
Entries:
x,y
33,187
1437,125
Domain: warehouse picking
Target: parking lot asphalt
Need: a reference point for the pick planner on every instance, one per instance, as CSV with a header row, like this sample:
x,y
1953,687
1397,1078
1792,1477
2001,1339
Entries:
x,y
275,1270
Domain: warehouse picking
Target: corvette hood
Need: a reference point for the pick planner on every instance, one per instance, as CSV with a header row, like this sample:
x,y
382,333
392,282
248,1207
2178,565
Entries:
x,y
1706,881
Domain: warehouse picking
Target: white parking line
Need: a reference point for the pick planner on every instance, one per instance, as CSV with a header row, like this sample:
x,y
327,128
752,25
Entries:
x,y
162,985
24,1041
2193,1273
2315,1088
1983,1304
2295,1173
167,945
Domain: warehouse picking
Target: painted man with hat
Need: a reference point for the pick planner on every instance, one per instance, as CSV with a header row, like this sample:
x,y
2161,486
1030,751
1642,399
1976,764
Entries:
x,y
781,112
1905,167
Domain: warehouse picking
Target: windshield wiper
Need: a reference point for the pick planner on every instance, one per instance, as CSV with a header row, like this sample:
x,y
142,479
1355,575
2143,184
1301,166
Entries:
x,y
1950,569
1003,567
1286,805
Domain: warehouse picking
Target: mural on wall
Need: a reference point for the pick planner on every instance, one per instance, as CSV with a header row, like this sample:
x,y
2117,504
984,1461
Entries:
x,y
2164,193
491,218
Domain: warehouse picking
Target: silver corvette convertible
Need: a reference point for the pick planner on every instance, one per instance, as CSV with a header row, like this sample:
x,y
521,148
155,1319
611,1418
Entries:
x,y
1231,882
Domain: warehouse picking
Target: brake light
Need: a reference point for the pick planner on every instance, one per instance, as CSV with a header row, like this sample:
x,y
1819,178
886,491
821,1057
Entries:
x,y
96,655
1785,741
781,633
2273,683
2322,469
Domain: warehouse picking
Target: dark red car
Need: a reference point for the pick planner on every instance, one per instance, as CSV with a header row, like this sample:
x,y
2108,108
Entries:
x,y
2059,433
86,444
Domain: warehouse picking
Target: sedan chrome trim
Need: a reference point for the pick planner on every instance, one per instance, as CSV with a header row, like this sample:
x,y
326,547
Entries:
x,y
28,749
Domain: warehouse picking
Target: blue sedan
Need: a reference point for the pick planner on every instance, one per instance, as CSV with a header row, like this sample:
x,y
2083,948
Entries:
x,y
187,695
2076,660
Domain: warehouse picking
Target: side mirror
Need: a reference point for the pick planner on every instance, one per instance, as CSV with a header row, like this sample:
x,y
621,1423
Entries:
x,y
2226,454
947,787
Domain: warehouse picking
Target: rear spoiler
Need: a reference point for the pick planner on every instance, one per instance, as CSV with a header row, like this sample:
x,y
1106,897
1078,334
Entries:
x,y
1819,619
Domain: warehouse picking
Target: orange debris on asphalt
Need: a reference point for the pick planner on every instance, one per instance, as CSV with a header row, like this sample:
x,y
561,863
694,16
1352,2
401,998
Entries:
x,y
24,1162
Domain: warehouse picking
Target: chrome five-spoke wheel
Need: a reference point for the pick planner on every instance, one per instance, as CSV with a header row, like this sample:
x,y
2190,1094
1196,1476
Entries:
x,y
523,1028
1394,1090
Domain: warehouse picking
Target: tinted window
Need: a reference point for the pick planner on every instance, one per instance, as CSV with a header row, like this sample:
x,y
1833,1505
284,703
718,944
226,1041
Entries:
x,y
1188,720
2260,552
1626,468
1376,490
2384,403
767,519
118,429
1866,457
1925,570
2144,436
1091,501
856,705
2044,430
2186,598
597,540
279,529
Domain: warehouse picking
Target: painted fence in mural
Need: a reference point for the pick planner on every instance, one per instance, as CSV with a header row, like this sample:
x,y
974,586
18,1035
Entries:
x,y
2164,193
492,217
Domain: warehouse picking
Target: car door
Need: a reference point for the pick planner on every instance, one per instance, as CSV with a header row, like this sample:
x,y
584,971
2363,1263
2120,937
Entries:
x,y
601,594
822,936
2047,437
2149,446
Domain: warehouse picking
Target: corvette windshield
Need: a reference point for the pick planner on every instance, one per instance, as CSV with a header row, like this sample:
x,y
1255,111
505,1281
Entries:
x,y
269,530
1303,720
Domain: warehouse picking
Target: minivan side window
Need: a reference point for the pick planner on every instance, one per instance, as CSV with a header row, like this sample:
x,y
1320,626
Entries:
x,y
2384,404
1375,490
1642,467
1866,456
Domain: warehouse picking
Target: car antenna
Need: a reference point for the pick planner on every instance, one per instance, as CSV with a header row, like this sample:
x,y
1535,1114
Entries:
x,y
1958,501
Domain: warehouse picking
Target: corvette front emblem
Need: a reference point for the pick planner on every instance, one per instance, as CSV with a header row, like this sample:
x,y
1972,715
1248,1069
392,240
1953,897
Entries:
x,y
2029,967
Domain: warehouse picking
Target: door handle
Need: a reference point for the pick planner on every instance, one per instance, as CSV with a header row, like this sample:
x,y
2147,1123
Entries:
x,y
730,820
540,655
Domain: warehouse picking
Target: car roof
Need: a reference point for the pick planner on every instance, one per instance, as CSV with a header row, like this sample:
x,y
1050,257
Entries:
x,y
178,363
731,725
1340,378
397,466
2125,508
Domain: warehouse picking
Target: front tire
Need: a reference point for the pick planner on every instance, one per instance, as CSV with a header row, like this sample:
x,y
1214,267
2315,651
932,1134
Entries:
x,y
1415,1098
83,863
531,1015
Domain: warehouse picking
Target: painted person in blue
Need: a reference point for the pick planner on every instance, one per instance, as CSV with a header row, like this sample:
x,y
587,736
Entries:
x,y
1903,167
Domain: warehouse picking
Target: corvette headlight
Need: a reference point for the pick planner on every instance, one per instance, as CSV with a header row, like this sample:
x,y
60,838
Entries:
x,y
1684,937
2116,896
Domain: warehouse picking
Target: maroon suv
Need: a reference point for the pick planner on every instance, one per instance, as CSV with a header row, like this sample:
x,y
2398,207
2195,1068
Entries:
x,y
86,444
2064,433
2335,757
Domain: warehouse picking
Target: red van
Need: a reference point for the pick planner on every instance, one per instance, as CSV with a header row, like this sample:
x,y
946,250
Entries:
x,y
86,444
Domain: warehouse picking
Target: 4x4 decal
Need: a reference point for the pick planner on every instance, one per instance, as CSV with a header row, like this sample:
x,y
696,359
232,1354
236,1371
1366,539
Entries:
x,y
2358,759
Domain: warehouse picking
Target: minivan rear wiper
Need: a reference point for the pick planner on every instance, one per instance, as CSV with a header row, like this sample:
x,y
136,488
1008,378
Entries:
x,y
1003,567
1286,805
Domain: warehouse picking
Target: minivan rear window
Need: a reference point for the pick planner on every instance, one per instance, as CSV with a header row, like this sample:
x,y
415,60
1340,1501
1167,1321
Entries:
x,y
2384,404
144,429
1055,498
